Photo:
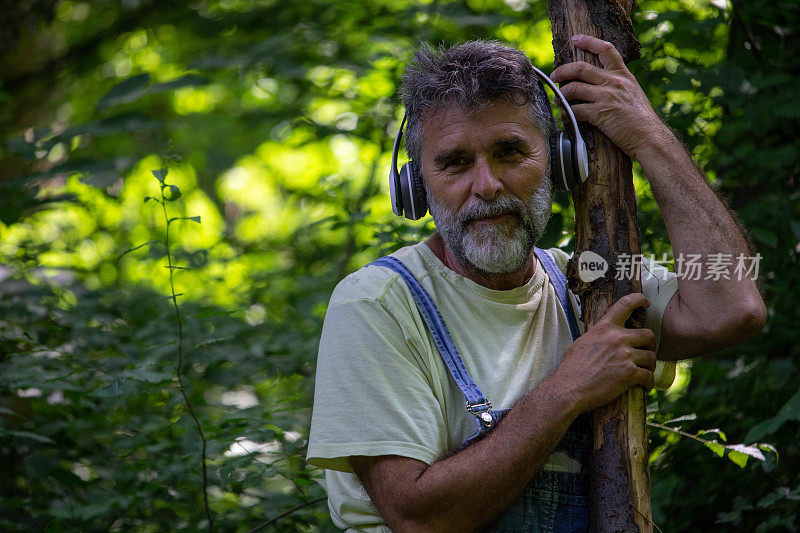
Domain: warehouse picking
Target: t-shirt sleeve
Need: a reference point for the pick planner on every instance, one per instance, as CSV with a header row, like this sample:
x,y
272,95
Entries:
x,y
659,285
373,394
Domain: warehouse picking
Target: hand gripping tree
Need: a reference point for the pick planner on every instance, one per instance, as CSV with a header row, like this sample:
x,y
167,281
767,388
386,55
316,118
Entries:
x,y
605,223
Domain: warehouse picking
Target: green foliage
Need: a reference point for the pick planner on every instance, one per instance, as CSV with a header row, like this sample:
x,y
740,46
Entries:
x,y
281,116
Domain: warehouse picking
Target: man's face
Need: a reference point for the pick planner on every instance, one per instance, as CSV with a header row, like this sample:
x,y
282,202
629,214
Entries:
x,y
488,183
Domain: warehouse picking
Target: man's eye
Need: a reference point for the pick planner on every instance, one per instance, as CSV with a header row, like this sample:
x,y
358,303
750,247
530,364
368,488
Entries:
x,y
508,151
457,162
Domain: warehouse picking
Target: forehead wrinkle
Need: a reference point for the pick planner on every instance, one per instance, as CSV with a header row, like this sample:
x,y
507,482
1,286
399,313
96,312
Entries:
x,y
510,140
507,139
452,128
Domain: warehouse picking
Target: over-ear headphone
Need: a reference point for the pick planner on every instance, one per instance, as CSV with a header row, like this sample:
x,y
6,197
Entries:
x,y
569,165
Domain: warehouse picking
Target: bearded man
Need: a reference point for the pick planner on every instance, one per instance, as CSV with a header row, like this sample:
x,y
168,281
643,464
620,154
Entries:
x,y
389,422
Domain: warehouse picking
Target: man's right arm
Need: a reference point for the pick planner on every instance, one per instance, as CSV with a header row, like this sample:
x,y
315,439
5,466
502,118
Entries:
x,y
468,490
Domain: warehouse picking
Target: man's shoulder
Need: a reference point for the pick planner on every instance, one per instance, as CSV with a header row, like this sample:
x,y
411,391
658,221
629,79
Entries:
x,y
372,282
560,257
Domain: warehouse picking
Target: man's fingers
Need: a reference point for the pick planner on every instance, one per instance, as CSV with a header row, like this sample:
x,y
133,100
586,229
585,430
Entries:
x,y
645,359
583,113
605,51
643,338
624,307
581,91
578,70
645,379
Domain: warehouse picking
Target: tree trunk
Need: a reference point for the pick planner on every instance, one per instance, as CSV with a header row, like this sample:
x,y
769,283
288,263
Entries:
x,y
606,224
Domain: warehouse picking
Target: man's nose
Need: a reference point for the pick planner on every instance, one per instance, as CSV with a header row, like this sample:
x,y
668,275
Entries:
x,y
486,183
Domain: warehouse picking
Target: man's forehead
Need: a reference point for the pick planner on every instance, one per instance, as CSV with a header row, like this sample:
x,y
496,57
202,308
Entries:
x,y
450,121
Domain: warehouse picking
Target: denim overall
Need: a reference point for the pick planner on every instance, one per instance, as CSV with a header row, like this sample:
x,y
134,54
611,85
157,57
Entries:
x,y
553,501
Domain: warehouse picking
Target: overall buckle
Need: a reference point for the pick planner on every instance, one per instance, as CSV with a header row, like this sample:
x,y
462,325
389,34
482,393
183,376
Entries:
x,y
481,410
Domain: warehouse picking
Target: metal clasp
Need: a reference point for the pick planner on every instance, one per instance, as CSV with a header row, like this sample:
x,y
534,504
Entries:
x,y
481,410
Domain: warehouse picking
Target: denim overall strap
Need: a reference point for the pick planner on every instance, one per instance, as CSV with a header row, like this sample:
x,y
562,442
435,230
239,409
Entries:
x,y
477,404
560,285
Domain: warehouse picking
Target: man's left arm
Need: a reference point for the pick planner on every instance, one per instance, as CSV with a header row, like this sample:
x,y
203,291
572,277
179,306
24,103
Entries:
x,y
705,314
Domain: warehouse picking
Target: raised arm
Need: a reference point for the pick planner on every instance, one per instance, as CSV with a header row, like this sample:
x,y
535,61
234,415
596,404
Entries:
x,y
471,488
707,313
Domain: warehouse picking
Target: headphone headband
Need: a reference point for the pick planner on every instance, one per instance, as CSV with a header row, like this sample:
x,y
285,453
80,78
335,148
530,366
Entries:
x,y
579,146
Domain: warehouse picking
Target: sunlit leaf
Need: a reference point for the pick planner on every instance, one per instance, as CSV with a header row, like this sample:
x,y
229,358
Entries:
x,y
738,458
683,418
752,451
716,447
715,431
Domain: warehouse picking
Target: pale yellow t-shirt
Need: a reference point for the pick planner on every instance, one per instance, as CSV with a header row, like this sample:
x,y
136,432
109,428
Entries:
x,y
383,389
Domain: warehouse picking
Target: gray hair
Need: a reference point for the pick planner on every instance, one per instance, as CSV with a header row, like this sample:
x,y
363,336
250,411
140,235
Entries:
x,y
470,75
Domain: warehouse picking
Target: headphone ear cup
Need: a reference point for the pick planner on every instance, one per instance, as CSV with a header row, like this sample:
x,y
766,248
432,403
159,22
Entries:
x,y
415,203
563,169
556,160
568,161
395,191
420,194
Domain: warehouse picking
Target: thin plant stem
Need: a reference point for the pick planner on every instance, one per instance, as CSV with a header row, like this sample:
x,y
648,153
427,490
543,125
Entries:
x,y
678,431
178,370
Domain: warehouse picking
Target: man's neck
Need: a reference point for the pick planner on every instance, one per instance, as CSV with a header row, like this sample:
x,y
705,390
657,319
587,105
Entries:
x,y
498,282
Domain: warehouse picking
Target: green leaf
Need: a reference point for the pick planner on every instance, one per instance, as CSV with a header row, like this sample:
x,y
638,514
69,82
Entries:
x,y
781,493
148,374
767,448
738,457
160,174
752,451
135,87
274,428
214,340
691,416
187,80
193,219
115,388
789,412
764,235
124,92
715,431
174,194
716,447
32,436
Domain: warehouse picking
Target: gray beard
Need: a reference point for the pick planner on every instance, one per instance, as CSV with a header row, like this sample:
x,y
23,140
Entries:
x,y
495,248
